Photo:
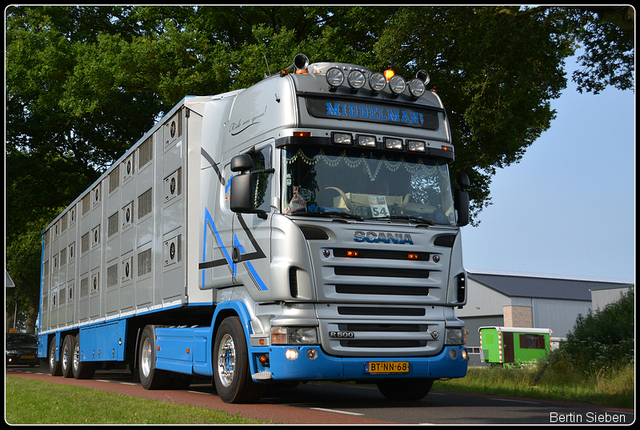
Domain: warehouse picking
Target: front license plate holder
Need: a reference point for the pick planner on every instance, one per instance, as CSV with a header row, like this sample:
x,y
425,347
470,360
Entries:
x,y
386,367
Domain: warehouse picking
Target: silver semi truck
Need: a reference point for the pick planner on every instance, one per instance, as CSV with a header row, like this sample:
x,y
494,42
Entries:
x,y
301,229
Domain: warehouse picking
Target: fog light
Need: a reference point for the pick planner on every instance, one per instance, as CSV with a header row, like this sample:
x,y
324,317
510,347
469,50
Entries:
x,y
464,354
453,354
291,354
312,354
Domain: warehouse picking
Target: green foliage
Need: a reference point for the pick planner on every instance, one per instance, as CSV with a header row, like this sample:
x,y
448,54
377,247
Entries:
x,y
560,380
604,338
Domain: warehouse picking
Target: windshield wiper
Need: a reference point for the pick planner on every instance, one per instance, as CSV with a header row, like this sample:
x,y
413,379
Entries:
x,y
412,218
331,213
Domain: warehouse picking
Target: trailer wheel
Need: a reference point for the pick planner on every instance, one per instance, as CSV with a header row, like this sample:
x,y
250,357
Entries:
x,y
150,377
66,356
405,389
231,373
81,369
54,365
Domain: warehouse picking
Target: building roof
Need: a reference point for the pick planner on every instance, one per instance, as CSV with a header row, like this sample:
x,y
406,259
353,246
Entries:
x,y
513,284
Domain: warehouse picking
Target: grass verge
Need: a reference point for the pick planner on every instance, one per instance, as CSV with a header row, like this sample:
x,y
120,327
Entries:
x,y
40,402
612,387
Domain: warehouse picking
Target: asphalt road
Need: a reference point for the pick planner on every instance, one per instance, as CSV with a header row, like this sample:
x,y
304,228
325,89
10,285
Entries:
x,y
329,403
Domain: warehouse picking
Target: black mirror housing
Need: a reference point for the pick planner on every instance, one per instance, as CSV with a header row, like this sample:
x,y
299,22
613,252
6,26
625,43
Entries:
x,y
241,194
461,199
241,163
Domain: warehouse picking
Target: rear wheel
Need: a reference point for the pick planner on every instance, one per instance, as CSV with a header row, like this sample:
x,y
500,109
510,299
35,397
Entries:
x,y
150,377
66,356
81,369
405,389
54,365
231,373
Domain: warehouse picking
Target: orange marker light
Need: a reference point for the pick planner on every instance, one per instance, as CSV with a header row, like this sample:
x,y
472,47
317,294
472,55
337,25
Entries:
x,y
412,256
388,74
302,133
352,253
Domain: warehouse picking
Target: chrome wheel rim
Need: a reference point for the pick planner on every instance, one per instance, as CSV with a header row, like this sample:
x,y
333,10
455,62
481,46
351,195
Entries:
x,y
145,357
226,360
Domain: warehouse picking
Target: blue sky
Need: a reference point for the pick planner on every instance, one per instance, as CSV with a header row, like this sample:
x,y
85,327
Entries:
x,y
568,207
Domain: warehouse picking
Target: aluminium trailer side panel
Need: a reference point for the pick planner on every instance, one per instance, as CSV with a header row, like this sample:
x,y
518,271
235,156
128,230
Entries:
x,y
120,248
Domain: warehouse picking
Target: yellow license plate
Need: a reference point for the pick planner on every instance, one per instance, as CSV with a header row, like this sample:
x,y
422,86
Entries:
x,y
386,367
28,357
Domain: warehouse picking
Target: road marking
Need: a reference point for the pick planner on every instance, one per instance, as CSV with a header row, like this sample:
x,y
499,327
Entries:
x,y
337,411
516,401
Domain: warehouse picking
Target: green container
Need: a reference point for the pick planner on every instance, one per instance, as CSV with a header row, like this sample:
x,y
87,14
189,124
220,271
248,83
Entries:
x,y
511,344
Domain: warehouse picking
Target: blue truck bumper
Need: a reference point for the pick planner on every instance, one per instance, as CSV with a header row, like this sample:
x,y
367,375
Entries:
x,y
448,364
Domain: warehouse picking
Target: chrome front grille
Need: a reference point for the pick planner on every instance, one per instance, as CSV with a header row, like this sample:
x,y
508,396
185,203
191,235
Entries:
x,y
382,331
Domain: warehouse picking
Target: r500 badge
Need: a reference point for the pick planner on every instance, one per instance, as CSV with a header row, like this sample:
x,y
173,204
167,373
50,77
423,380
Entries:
x,y
341,334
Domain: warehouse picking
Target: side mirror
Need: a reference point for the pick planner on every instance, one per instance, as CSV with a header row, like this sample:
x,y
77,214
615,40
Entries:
x,y
241,193
241,163
242,186
461,199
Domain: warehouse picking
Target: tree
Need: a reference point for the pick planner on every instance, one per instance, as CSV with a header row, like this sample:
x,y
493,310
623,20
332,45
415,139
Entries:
x,y
605,337
498,68
85,83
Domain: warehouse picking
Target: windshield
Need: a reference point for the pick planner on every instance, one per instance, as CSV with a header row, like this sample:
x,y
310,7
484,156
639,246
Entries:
x,y
356,182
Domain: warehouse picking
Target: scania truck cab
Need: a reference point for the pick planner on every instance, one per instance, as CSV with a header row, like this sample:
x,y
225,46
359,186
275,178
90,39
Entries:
x,y
364,232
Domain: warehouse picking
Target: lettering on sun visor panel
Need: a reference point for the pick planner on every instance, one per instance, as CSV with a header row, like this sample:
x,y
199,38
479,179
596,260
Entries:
x,y
371,112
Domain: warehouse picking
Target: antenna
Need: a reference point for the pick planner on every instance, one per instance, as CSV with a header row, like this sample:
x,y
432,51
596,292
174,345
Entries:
x,y
269,72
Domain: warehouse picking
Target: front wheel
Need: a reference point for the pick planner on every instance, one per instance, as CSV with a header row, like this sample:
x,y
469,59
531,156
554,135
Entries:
x,y
231,373
405,389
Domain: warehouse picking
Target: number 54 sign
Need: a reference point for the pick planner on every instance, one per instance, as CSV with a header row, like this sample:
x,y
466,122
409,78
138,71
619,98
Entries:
x,y
379,208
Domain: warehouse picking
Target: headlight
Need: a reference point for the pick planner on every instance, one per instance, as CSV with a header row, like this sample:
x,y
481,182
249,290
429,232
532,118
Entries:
x,y
392,143
369,141
416,146
294,336
455,336
356,79
416,87
397,84
377,82
335,77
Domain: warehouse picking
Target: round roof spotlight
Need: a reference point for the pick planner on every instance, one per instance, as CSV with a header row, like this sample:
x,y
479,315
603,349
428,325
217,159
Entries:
x,y
335,78
356,80
377,82
423,76
416,88
397,85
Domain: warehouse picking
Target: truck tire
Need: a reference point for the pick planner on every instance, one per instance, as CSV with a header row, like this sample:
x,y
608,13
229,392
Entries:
x,y
54,365
150,377
66,356
405,389
81,369
231,373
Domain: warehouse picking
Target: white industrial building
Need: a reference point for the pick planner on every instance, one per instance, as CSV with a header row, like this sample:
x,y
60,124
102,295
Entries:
x,y
511,299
